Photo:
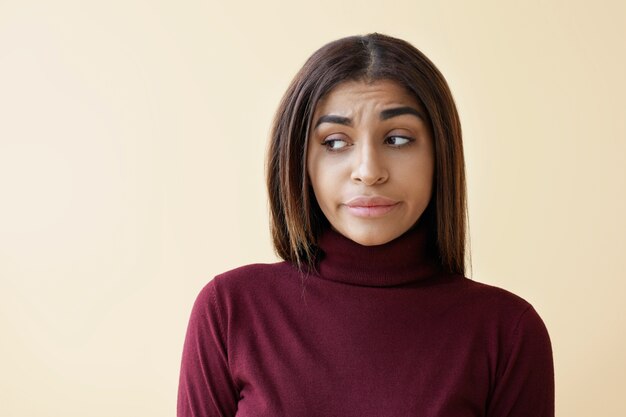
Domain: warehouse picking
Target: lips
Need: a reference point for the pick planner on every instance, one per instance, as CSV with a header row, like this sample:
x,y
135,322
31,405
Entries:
x,y
371,206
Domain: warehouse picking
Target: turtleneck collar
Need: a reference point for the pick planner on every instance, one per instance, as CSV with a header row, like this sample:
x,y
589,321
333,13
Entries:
x,y
408,258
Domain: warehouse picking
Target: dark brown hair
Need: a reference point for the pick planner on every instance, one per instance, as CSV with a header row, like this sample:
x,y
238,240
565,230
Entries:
x,y
296,219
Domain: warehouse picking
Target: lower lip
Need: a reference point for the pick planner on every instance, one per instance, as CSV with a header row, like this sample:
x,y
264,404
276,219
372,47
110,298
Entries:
x,y
371,211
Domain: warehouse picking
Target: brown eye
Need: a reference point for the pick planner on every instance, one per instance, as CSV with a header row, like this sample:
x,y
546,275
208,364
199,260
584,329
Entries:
x,y
334,144
397,140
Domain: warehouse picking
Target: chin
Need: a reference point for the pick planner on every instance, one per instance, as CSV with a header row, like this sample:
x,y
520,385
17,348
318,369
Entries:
x,y
371,237
372,242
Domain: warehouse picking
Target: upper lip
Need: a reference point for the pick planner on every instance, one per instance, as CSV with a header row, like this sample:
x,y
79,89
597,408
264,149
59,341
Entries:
x,y
370,201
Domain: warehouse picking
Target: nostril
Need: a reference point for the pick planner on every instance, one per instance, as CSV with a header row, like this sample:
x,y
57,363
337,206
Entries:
x,y
370,175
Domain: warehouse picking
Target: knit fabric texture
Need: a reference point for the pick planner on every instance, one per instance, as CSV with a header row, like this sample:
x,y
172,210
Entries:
x,y
376,331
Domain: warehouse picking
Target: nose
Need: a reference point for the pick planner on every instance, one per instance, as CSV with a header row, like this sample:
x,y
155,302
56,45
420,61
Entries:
x,y
369,166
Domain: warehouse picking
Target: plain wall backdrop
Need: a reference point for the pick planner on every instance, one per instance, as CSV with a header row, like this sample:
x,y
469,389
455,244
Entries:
x,y
132,142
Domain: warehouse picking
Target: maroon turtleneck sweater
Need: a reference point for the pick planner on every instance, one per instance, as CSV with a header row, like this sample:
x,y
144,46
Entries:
x,y
379,332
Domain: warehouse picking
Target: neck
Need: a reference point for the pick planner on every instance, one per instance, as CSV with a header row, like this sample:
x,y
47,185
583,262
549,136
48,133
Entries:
x,y
408,258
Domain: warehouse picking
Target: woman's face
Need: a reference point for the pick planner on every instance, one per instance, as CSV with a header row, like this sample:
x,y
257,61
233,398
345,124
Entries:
x,y
370,160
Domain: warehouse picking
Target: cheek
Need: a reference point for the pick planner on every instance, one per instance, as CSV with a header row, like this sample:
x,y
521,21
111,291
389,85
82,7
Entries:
x,y
321,187
426,179
327,189
427,166
428,172
419,180
316,180
312,169
322,175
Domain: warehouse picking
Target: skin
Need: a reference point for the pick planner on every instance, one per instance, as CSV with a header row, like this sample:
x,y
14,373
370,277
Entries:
x,y
366,156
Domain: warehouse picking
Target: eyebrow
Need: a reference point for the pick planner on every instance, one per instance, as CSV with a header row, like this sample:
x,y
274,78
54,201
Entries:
x,y
384,115
330,118
399,111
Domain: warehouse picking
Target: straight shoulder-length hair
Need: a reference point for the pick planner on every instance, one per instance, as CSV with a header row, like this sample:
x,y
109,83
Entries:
x,y
296,220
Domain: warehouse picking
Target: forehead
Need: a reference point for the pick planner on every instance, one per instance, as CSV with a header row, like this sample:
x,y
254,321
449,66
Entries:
x,y
350,95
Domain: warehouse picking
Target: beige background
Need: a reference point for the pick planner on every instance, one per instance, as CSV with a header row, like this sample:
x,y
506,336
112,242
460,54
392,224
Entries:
x,y
132,136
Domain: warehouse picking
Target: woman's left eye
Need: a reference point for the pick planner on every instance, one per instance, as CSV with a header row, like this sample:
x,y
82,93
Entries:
x,y
397,140
334,144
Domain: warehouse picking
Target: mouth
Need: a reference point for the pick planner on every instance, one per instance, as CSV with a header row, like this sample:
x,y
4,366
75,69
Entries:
x,y
375,206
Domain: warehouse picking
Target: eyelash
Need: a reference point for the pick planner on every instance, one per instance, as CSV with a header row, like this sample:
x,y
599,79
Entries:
x,y
409,140
328,142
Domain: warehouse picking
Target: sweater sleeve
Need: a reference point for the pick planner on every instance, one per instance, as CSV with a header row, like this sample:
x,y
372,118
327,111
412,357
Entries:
x,y
206,387
525,381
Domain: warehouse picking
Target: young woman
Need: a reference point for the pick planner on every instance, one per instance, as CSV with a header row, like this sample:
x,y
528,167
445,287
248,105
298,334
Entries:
x,y
369,314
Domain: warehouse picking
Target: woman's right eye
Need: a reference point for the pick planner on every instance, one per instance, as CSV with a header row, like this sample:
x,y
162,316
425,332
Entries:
x,y
334,144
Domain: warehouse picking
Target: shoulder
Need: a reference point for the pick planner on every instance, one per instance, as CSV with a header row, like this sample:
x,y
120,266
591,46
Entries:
x,y
252,280
512,314
492,298
252,275
496,309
